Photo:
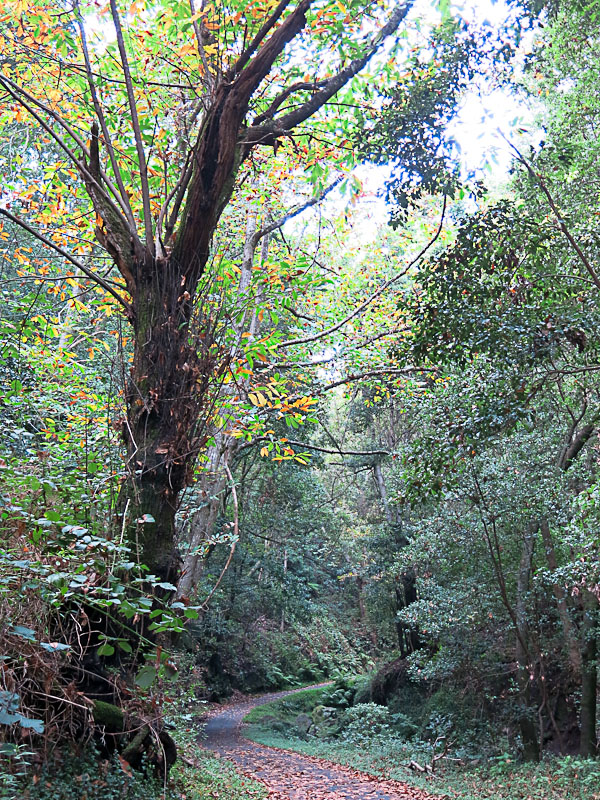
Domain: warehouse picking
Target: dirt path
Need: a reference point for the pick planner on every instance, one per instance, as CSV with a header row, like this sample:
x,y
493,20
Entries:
x,y
290,776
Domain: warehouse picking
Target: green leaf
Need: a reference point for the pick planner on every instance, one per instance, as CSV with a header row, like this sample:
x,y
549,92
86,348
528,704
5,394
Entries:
x,y
146,677
36,725
24,633
106,649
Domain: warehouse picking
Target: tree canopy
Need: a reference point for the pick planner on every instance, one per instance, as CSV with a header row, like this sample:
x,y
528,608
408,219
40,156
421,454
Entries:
x,y
264,426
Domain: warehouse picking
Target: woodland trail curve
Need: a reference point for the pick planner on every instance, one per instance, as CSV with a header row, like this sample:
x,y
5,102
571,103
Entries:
x,y
291,776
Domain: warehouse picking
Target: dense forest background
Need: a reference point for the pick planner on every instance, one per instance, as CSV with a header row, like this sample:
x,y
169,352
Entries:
x,y
265,427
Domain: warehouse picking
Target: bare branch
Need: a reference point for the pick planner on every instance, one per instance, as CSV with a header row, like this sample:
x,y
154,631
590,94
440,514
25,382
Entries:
x,y
283,96
336,452
298,315
374,373
236,534
139,144
375,294
338,448
178,193
339,451
102,120
88,272
273,226
201,52
28,101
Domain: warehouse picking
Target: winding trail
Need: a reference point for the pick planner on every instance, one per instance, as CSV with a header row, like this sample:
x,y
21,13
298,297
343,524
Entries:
x,y
291,776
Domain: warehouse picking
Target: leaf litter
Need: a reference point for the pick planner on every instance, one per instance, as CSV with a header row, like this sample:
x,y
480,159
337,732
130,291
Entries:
x,y
291,776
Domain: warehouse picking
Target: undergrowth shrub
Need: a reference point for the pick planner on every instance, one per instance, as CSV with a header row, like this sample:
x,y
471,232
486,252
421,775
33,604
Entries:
x,y
366,721
340,694
332,646
86,775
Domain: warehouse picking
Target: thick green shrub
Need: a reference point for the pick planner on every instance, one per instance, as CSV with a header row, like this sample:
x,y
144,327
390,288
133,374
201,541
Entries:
x,y
366,721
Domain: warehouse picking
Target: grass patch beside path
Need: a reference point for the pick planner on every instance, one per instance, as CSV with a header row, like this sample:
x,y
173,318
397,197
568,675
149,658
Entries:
x,y
213,778
503,778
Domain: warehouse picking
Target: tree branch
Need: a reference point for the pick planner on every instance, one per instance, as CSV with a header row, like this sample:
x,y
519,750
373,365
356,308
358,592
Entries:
x,y
339,451
88,272
283,96
139,144
375,294
268,133
576,444
559,218
26,100
217,154
273,226
201,52
102,120
371,374
255,43
178,193
259,67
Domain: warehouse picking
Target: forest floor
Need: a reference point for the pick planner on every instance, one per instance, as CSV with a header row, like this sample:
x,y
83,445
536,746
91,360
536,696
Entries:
x,y
290,776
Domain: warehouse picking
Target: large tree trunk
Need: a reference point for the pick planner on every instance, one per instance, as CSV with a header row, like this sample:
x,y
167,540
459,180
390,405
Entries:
x,y
173,363
167,389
